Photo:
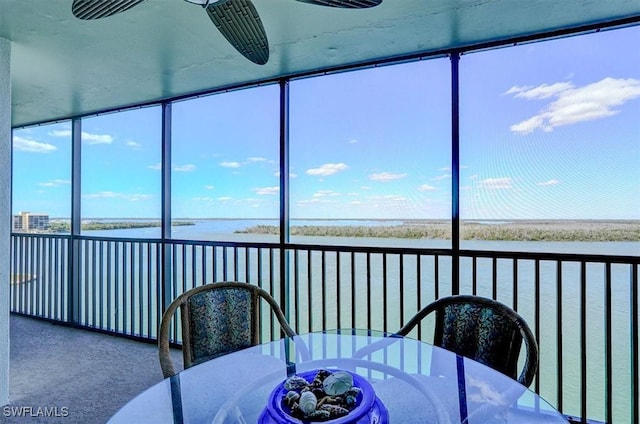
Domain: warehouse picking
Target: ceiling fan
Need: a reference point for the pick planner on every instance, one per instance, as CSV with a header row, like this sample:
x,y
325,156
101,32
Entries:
x,y
237,20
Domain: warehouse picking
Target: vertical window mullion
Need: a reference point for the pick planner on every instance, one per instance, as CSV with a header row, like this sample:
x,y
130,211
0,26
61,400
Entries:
x,y
455,173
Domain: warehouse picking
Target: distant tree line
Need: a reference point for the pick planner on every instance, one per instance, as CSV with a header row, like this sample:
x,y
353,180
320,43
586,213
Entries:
x,y
545,231
65,227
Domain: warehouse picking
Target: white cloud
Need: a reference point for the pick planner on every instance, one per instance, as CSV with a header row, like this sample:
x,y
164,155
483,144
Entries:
x,y
549,183
267,190
325,193
54,183
101,195
528,125
427,187
575,104
86,137
27,145
291,174
496,183
202,199
224,198
388,198
137,197
442,177
230,164
134,145
386,176
185,168
156,167
256,159
308,202
96,138
353,141
114,195
327,169
518,89
60,133
543,91
209,187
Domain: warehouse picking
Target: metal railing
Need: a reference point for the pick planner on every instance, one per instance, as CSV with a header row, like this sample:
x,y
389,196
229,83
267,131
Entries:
x,y
40,276
583,309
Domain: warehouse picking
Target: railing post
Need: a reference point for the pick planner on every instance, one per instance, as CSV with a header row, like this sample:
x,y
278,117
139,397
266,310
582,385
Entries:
x,y
455,174
635,356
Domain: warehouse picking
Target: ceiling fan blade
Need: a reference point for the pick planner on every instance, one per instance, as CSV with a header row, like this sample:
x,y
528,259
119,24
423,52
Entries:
x,y
346,4
96,9
240,24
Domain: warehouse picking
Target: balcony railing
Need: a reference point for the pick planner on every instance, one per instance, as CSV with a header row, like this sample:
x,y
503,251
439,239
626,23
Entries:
x,y
583,309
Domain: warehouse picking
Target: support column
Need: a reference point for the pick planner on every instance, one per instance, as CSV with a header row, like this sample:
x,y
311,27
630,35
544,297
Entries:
x,y
5,214
166,270
285,300
73,297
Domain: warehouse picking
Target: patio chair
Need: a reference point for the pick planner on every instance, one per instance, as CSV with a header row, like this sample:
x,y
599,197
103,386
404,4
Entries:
x,y
217,319
484,330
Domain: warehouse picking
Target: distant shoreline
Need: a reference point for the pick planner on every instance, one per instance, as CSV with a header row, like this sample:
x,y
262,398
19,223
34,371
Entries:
x,y
487,230
403,220
65,227
507,231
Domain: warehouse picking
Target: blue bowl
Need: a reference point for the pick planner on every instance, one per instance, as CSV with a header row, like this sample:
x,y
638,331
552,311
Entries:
x,y
369,409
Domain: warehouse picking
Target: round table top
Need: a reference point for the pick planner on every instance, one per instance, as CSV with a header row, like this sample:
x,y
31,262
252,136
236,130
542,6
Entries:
x,y
415,381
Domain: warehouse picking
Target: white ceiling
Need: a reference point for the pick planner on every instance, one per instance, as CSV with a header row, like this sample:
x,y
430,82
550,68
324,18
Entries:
x,y
63,67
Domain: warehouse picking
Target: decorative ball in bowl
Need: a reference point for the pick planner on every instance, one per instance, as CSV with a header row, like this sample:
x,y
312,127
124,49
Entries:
x,y
336,396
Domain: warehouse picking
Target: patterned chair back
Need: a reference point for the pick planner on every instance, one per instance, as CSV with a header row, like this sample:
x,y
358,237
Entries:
x,y
217,319
220,322
484,330
480,333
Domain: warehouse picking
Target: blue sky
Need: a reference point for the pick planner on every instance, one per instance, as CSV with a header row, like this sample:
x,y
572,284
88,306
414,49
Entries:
x,y
548,130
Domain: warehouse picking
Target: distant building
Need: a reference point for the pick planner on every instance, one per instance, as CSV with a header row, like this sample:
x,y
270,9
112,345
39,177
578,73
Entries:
x,y
27,221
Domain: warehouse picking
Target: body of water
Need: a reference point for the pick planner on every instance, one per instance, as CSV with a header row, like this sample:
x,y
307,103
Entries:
x,y
391,282
225,230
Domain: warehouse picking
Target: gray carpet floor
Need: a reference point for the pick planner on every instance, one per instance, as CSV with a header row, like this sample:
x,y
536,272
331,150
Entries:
x,y
72,375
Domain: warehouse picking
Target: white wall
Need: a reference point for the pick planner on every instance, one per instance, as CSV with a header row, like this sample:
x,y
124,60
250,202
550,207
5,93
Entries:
x,y
5,214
